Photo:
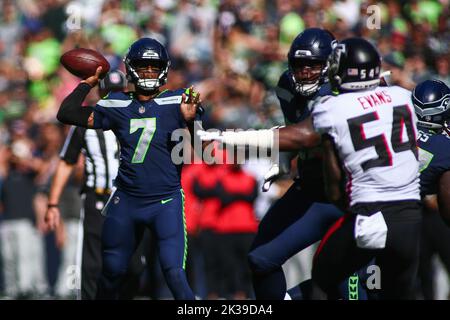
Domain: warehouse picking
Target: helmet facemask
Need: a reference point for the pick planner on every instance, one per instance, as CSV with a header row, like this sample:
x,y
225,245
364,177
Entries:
x,y
136,71
446,128
333,62
344,73
307,74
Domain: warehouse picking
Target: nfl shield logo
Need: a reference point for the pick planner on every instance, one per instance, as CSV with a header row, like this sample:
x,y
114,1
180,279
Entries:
x,y
141,109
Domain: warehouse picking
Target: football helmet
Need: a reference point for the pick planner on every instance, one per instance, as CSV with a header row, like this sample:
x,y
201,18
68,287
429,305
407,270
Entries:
x,y
308,56
353,65
431,99
143,53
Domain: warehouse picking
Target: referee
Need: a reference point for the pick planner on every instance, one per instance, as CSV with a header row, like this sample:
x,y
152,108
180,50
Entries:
x,y
101,152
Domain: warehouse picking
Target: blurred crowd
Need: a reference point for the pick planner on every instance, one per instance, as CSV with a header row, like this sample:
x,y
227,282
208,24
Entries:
x,y
232,51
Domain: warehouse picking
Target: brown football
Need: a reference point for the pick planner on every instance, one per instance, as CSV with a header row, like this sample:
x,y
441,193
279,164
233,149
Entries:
x,y
83,62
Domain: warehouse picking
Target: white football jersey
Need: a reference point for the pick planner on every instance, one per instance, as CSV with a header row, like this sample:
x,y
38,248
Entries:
x,y
375,135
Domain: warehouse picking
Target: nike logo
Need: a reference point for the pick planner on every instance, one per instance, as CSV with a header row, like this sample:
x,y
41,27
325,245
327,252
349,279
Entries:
x,y
165,201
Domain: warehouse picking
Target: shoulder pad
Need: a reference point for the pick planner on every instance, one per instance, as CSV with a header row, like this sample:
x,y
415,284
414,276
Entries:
x,y
284,89
318,100
115,100
118,95
286,82
165,93
325,90
168,100
169,97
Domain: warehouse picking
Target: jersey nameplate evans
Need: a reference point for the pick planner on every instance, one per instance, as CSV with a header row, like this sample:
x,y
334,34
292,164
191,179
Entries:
x,y
375,134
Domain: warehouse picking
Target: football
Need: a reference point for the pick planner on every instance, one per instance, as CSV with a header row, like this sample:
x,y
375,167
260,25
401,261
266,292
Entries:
x,y
83,62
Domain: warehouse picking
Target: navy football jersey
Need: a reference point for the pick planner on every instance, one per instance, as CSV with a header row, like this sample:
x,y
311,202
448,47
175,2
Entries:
x,y
295,108
293,104
434,157
144,131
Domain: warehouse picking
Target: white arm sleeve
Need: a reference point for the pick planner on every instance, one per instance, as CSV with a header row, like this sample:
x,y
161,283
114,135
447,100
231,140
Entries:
x,y
256,138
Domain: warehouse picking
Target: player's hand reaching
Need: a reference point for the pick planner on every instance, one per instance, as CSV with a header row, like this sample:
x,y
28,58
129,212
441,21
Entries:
x,y
270,177
278,170
93,80
189,104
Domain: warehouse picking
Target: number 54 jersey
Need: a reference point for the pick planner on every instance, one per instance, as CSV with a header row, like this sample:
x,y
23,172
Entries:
x,y
144,131
375,135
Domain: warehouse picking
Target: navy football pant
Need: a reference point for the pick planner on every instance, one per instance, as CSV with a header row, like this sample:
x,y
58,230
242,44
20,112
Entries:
x,y
338,256
126,219
292,224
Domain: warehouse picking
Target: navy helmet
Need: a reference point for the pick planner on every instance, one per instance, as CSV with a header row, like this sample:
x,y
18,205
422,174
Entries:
x,y
144,52
431,99
311,47
354,65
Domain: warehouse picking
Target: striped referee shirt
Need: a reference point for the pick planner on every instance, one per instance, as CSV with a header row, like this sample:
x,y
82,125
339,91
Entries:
x,y
101,150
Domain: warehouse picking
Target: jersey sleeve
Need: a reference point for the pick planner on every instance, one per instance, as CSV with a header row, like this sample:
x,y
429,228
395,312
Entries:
x,y
322,118
434,161
179,115
72,145
107,112
285,97
406,96
102,118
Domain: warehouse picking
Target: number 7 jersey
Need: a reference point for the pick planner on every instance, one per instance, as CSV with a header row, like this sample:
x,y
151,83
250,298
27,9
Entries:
x,y
144,131
375,135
